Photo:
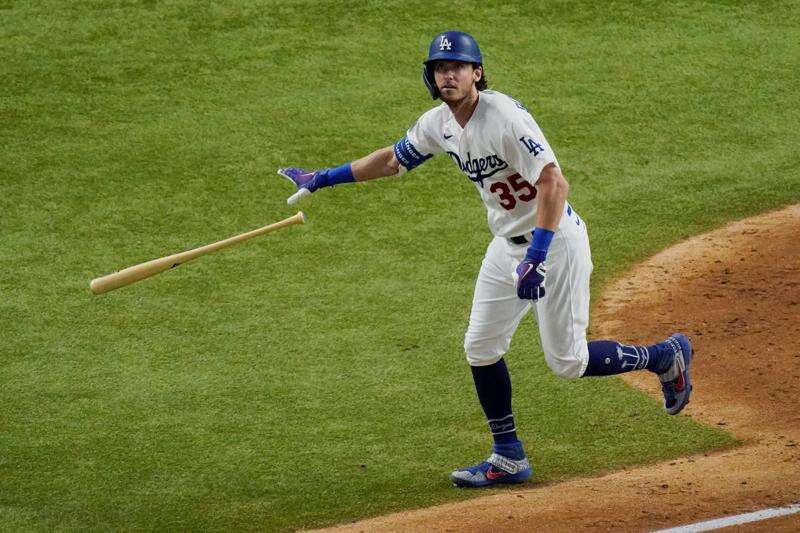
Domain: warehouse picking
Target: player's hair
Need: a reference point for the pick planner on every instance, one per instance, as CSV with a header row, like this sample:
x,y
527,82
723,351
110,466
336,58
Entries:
x,y
482,84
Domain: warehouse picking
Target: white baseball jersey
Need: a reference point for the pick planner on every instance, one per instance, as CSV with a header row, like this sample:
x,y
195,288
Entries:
x,y
501,150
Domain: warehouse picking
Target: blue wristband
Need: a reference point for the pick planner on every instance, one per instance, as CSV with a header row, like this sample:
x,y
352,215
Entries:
x,y
540,243
334,176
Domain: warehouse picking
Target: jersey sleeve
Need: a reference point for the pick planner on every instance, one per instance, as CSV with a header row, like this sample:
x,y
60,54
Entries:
x,y
526,149
419,143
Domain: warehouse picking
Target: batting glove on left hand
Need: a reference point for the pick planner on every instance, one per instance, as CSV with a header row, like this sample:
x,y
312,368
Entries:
x,y
530,280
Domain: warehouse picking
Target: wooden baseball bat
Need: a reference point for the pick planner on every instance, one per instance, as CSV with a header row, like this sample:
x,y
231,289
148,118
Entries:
x,y
151,268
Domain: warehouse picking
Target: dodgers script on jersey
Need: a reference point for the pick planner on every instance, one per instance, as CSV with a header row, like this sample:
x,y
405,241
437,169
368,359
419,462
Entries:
x,y
501,150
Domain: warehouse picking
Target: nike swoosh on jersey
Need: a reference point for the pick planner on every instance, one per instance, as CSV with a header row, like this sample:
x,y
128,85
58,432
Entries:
x,y
447,136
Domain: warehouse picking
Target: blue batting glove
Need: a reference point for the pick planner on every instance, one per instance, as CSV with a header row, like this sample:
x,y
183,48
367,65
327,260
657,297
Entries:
x,y
302,178
530,280
308,181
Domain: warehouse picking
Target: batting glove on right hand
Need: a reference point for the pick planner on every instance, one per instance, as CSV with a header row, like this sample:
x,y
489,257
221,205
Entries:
x,y
307,181
530,280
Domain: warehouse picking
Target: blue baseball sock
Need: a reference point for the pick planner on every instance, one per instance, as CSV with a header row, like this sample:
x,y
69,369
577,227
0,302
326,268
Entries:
x,y
607,358
512,450
493,385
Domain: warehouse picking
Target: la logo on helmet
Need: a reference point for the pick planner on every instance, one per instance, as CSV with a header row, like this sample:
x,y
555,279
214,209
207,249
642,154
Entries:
x,y
444,44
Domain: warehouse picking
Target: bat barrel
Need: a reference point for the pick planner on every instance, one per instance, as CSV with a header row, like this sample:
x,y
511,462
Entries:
x,y
133,274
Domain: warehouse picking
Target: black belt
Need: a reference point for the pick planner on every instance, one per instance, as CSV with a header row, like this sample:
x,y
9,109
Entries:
x,y
522,239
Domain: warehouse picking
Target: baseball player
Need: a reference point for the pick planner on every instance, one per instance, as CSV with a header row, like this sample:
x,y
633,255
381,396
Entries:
x,y
538,257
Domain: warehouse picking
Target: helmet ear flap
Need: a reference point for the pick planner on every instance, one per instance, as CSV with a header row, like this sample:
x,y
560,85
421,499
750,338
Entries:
x,y
430,81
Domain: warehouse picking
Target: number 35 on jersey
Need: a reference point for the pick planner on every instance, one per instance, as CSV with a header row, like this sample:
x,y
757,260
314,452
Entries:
x,y
507,188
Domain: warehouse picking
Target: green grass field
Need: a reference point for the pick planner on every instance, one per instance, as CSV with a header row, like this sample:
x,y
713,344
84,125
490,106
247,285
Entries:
x,y
316,375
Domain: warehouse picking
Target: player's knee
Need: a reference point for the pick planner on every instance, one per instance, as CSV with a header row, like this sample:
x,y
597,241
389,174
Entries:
x,y
567,366
482,359
484,351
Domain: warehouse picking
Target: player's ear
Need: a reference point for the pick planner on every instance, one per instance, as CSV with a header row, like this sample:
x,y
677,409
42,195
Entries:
x,y
477,73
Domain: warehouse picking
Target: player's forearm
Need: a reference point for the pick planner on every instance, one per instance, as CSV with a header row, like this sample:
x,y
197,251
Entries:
x,y
378,164
551,195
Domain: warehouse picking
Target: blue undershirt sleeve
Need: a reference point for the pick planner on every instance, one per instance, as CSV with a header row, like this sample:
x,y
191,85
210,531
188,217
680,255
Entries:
x,y
408,155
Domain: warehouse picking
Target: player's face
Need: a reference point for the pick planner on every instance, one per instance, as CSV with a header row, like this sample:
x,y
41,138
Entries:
x,y
455,79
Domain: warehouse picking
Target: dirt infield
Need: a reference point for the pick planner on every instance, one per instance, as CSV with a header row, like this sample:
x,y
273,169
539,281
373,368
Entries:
x,y
739,299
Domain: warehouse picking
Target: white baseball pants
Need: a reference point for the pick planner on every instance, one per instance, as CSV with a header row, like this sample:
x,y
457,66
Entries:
x,y
563,313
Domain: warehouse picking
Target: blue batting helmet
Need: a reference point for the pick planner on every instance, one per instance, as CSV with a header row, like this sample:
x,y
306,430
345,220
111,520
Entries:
x,y
449,46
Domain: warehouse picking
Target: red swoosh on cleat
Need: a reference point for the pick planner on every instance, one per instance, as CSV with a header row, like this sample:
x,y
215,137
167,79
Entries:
x,y
494,474
680,383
